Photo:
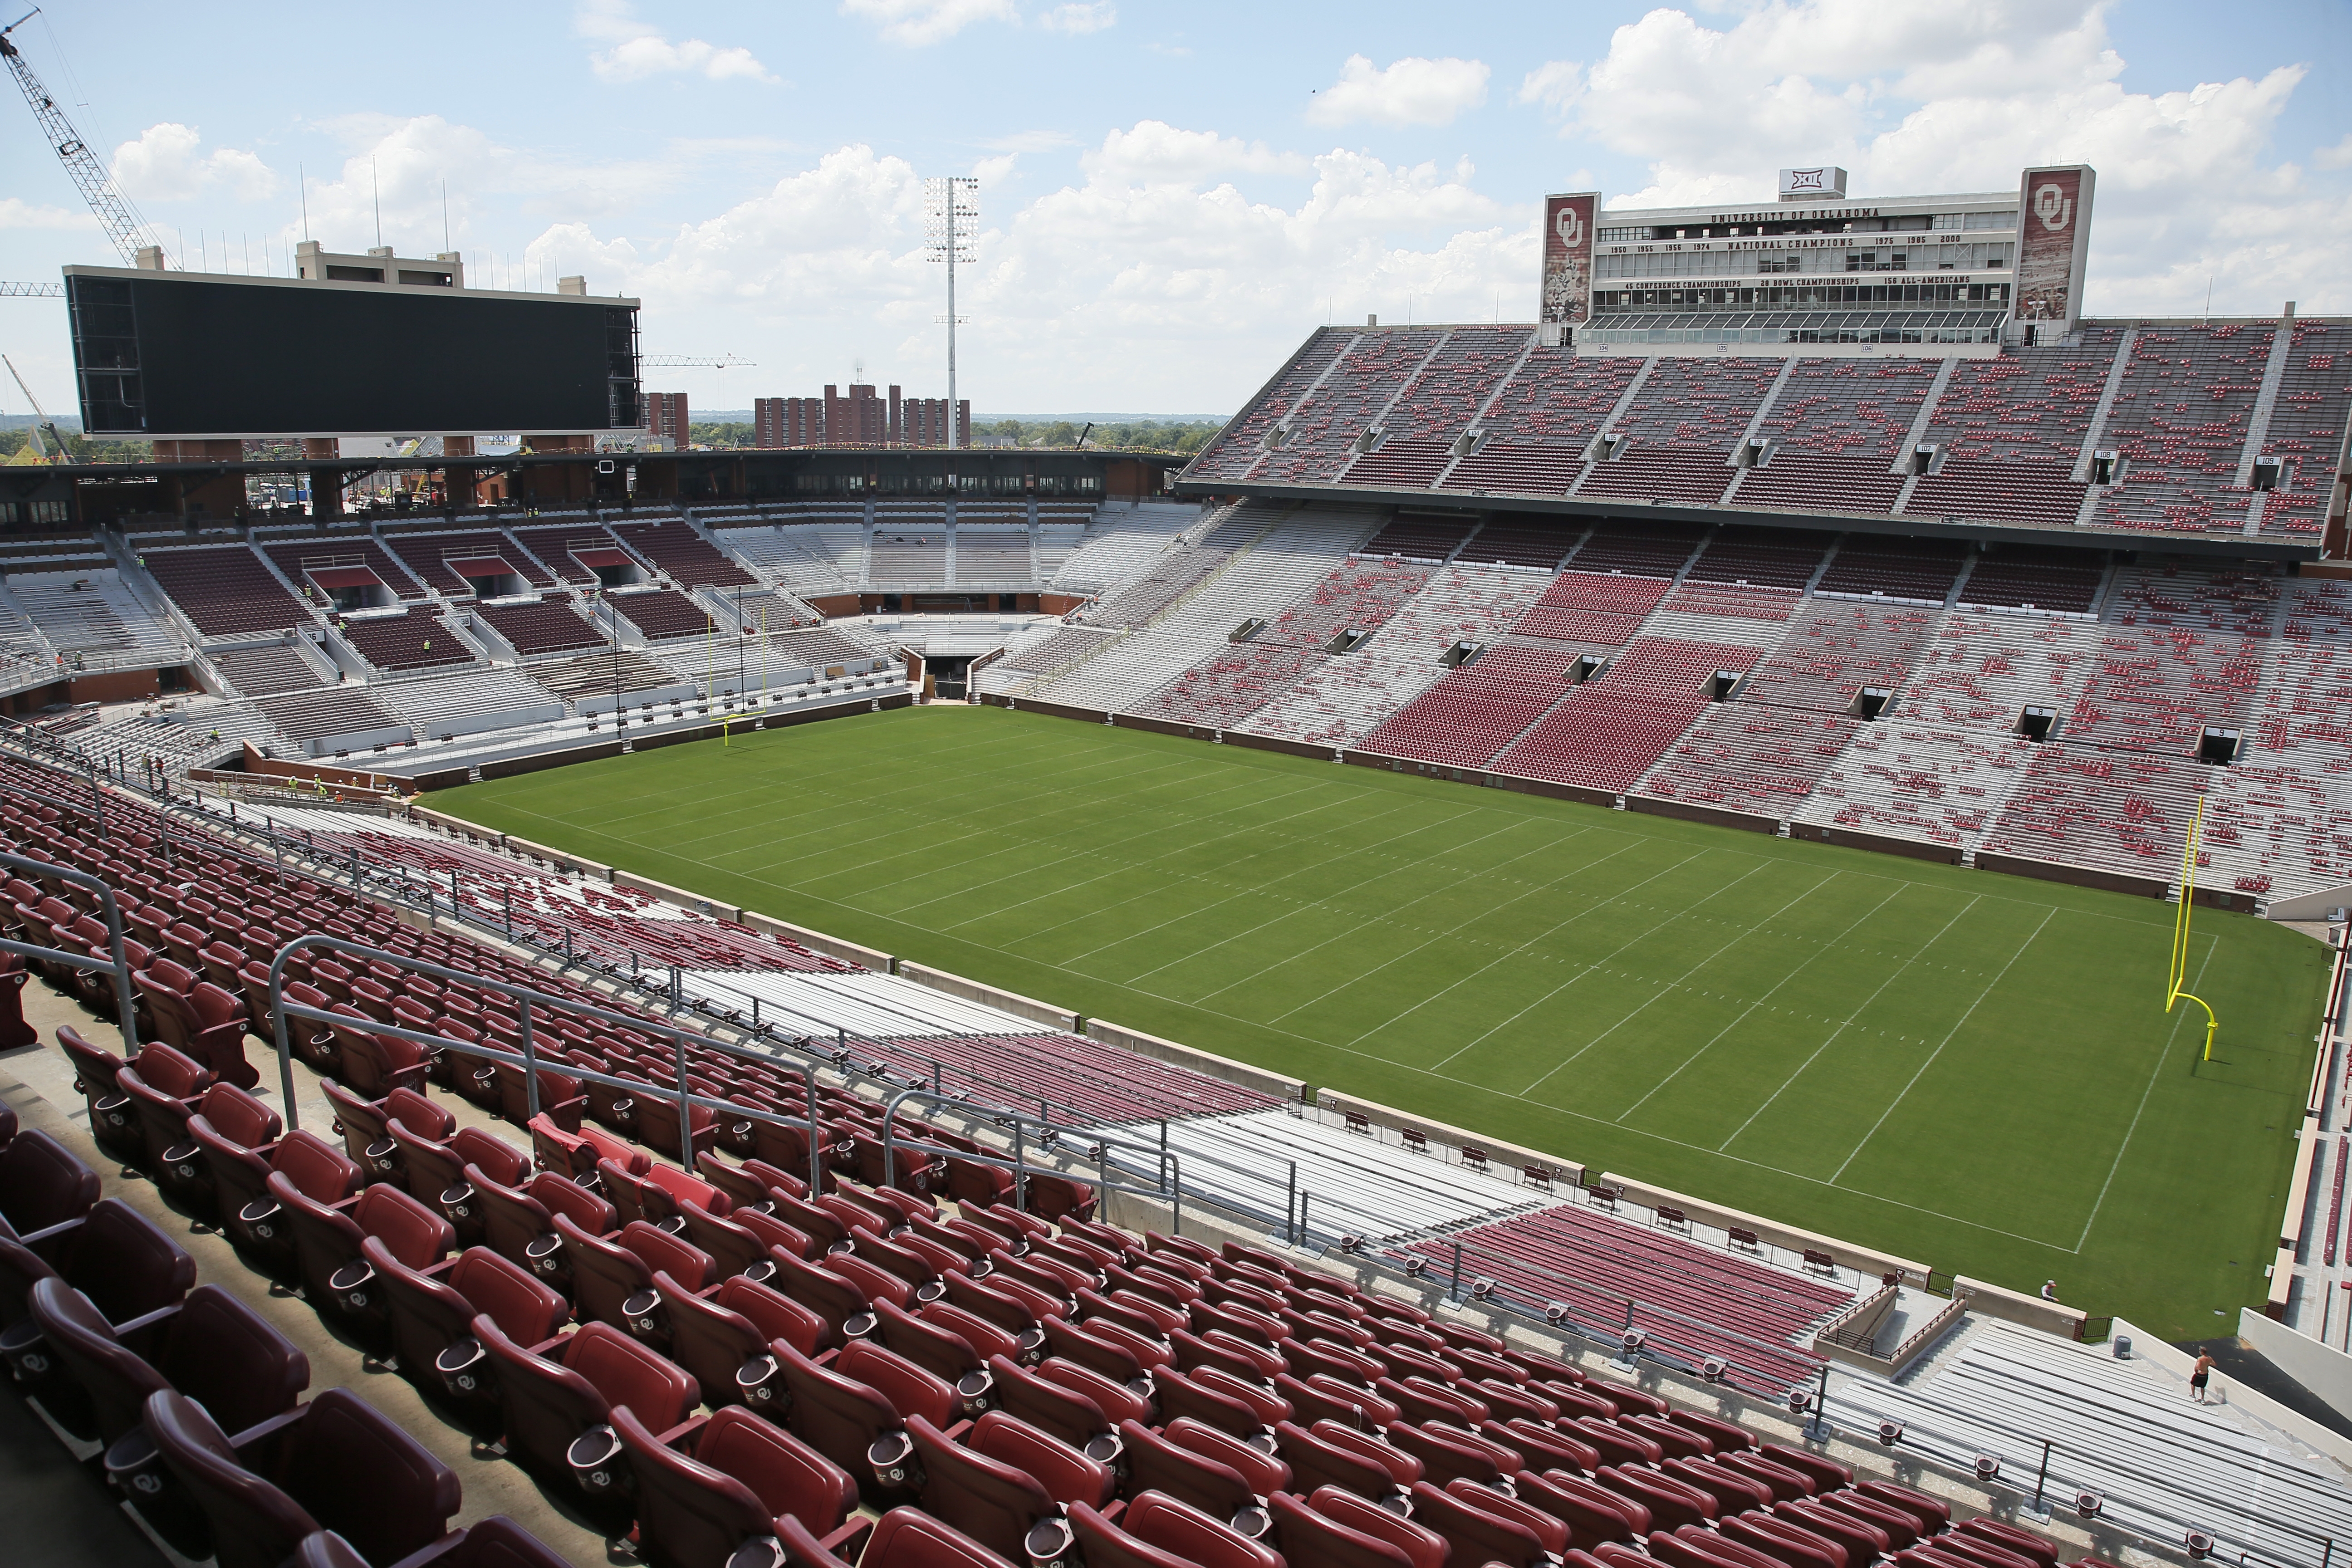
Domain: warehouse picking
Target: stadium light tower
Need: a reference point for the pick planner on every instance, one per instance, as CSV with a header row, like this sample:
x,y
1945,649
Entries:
x,y
950,218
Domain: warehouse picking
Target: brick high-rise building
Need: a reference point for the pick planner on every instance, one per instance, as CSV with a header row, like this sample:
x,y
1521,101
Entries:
x,y
856,418
666,416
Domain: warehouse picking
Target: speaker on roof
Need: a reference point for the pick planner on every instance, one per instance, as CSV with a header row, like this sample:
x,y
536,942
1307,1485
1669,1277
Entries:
x,y
1871,701
2217,747
2036,723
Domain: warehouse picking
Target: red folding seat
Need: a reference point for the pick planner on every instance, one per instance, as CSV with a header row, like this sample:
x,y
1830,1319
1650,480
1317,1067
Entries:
x,y
656,1193
518,1223
111,1122
1221,1407
1253,1461
1618,1445
1486,1534
374,1065
2010,1537
1783,1543
1307,1538
1726,1437
42,1184
212,1347
1097,1348
226,1115
196,1017
428,1312
1591,1509
1447,1453
1055,1197
715,1336
337,1464
1932,1515
120,1262
835,1301
1158,1531
336,1277
740,1477
839,1411
1156,1462
1733,1492
1862,1541
366,1126
942,1352
904,1538
574,1151
435,1172
987,1499
1670,1502
164,1086
556,1408
747,1186
1691,1547
1425,1546
1117,1401
1068,1474
609,1273
1047,1406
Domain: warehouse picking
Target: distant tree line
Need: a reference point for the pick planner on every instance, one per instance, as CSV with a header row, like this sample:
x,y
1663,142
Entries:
x,y
84,448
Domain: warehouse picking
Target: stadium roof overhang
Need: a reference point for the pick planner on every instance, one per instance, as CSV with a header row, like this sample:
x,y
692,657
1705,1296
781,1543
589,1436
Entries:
x,y
2234,547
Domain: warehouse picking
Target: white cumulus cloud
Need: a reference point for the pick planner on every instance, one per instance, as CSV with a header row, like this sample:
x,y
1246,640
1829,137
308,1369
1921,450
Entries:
x,y
1155,153
1078,18
920,22
1412,92
638,50
168,163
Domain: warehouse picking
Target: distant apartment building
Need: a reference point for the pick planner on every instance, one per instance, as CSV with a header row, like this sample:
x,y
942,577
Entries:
x,y
665,416
859,418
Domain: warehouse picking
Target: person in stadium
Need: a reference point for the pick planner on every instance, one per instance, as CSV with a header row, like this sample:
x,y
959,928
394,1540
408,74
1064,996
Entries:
x,y
2050,1290
2197,1377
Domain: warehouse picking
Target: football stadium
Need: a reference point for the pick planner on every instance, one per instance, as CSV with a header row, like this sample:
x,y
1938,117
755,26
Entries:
x,y
1705,929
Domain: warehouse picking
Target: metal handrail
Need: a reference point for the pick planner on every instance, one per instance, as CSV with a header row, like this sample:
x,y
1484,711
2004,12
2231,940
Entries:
x,y
1019,1164
120,963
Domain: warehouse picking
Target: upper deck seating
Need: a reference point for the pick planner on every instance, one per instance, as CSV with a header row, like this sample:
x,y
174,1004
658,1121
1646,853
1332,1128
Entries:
x,y
2020,577
1324,428
1239,446
1455,383
663,615
300,556
427,557
415,641
1918,569
1419,536
1762,557
1834,649
688,558
546,625
225,589
2179,421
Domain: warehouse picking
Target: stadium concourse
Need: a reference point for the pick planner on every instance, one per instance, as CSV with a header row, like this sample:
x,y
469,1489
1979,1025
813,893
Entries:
x,y
666,1254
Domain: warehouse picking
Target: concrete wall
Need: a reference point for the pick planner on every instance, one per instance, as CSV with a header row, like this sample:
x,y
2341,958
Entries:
x,y
1504,1158
1010,1002
871,958
1208,1062
2324,1369
2016,1307
1862,1259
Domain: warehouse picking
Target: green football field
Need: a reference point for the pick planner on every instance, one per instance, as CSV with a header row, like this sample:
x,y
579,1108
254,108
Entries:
x,y
1970,1069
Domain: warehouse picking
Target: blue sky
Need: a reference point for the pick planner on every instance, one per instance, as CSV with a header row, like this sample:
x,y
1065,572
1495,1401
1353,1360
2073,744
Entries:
x,y
1171,196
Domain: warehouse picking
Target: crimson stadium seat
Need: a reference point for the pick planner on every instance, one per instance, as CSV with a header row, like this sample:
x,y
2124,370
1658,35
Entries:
x,y
549,1403
115,1256
716,1336
212,1347
495,1542
428,1313
336,1463
1158,1531
739,1478
42,1184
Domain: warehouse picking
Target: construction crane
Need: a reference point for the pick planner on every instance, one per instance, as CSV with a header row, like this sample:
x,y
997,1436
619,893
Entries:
x,y
690,361
114,214
45,426
32,290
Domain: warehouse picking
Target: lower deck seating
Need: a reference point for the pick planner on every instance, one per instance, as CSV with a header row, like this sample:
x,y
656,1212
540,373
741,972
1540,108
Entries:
x,y
414,641
1930,784
546,625
264,669
1678,1292
1746,757
1834,648
2124,812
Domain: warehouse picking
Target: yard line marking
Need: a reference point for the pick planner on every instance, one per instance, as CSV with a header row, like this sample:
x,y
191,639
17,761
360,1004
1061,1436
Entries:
x,y
1503,957
1794,970
1803,1066
1669,985
1156,828
1939,1047
2211,943
1539,936
1187,848
1297,907
1389,916
1506,1095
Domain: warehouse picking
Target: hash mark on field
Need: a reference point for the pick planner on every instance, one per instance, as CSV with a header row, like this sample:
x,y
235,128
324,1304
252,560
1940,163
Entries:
x,y
1939,1048
1794,970
1670,985
1806,1065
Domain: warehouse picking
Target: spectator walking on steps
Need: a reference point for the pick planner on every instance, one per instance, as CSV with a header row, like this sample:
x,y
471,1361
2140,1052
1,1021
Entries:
x,y
2197,1377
